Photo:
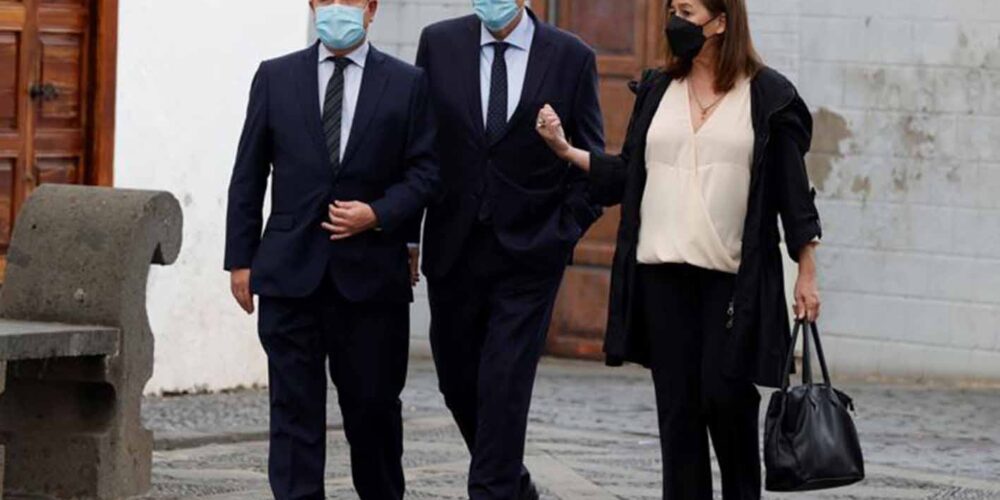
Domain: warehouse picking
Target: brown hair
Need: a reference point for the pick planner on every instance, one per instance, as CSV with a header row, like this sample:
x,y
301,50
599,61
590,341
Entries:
x,y
737,55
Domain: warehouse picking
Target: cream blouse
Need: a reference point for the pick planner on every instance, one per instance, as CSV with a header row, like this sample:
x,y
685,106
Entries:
x,y
698,183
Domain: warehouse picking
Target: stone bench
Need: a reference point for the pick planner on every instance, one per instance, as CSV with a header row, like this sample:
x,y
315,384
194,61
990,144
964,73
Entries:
x,y
75,340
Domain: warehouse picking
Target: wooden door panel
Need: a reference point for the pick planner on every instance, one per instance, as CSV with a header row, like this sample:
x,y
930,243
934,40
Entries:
x,y
57,78
54,170
15,123
57,170
7,168
61,118
10,50
62,67
600,23
12,14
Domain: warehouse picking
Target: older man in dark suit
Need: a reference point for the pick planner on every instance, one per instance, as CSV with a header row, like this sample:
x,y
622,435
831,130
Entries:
x,y
345,135
496,246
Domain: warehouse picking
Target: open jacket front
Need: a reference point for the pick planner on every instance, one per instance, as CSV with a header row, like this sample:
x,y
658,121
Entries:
x,y
779,185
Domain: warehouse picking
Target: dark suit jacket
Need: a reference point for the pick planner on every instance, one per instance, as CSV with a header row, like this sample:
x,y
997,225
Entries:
x,y
540,205
389,163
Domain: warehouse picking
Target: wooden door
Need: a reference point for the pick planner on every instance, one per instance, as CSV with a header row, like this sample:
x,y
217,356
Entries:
x,y
15,125
56,98
628,37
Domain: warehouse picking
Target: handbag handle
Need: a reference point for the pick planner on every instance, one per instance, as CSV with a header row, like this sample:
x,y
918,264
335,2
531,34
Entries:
x,y
807,372
819,354
786,375
806,363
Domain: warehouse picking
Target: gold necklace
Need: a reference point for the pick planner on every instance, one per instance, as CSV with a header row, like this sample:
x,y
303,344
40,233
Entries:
x,y
705,109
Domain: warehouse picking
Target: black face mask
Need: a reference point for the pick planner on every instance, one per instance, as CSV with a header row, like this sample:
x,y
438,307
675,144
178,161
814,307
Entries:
x,y
686,38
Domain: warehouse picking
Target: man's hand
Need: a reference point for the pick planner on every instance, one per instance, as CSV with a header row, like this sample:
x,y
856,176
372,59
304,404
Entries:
x,y
348,218
240,285
414,265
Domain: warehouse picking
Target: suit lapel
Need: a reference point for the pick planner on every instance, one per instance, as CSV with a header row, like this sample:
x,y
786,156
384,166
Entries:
x,y
471,52
372,86
539,62
308,98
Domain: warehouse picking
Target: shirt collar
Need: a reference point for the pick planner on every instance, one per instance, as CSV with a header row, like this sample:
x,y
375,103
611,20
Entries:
x,y
357,56
519,38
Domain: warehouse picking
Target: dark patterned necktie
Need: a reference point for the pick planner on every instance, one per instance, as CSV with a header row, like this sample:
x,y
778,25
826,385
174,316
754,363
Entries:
x,y
496,116
333,107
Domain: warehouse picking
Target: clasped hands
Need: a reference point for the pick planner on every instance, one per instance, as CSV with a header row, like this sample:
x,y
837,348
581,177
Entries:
x,y
349,218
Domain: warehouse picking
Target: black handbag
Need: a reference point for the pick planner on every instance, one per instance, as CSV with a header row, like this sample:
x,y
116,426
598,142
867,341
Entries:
x,y
810,442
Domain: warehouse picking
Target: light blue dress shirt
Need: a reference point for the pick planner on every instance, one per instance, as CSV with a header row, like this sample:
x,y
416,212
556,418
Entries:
x,y
517,63
353,74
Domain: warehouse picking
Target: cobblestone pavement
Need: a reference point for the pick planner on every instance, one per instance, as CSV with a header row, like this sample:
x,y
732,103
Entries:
x,y
592,437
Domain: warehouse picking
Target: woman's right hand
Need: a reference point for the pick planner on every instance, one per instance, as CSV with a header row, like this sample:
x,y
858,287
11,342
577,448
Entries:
x,y
550,128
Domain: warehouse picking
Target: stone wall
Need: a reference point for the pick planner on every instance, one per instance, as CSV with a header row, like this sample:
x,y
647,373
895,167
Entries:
x,y
907,162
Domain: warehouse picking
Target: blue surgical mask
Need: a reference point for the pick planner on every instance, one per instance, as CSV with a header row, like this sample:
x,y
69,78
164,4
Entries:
x,y
340,26
496,14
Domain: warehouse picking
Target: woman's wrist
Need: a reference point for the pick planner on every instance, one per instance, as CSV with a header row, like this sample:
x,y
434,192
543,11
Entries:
x,y
807,260
565,152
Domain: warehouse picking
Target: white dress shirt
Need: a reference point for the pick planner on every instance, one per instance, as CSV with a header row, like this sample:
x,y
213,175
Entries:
x,y
353,75
517,63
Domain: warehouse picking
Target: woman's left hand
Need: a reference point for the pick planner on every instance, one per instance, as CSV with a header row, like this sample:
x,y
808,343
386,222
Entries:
x,y
807,303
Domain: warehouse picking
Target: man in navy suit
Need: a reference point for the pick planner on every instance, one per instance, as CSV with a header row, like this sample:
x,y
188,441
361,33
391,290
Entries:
x,y
496,245
346,137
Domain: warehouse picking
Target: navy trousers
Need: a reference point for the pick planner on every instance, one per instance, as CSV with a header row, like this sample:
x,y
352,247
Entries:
x,y
685,312
365,348
489,319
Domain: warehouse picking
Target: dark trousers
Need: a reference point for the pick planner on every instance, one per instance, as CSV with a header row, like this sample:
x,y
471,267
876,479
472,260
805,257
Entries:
x,y
489,319
365,346
685,311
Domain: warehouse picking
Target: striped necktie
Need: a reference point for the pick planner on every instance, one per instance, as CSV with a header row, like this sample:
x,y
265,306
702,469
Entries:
x,y
333,107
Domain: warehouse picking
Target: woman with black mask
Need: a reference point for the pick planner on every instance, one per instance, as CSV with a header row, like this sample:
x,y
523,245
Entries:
x,y
714,154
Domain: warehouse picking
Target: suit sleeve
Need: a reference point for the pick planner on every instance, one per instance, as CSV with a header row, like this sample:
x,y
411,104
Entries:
x,y
587,134
404,201
248,183
790,140
412,229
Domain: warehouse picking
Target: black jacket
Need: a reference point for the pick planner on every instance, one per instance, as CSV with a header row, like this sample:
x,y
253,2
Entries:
x,y
538,204
389,162
779,185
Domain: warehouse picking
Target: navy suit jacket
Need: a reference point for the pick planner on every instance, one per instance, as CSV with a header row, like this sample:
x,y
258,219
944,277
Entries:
x,y
540,205
389,163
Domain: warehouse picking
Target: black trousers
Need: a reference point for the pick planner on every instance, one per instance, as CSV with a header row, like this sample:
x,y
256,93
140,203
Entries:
x,y
685,311
489,319
365,347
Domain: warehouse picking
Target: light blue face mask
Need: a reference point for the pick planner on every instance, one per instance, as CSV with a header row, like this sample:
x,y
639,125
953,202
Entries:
x,y
496,14
340,26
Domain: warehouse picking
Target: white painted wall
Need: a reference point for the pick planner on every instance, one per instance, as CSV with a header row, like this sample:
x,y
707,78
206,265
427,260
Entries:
x,y
185,68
